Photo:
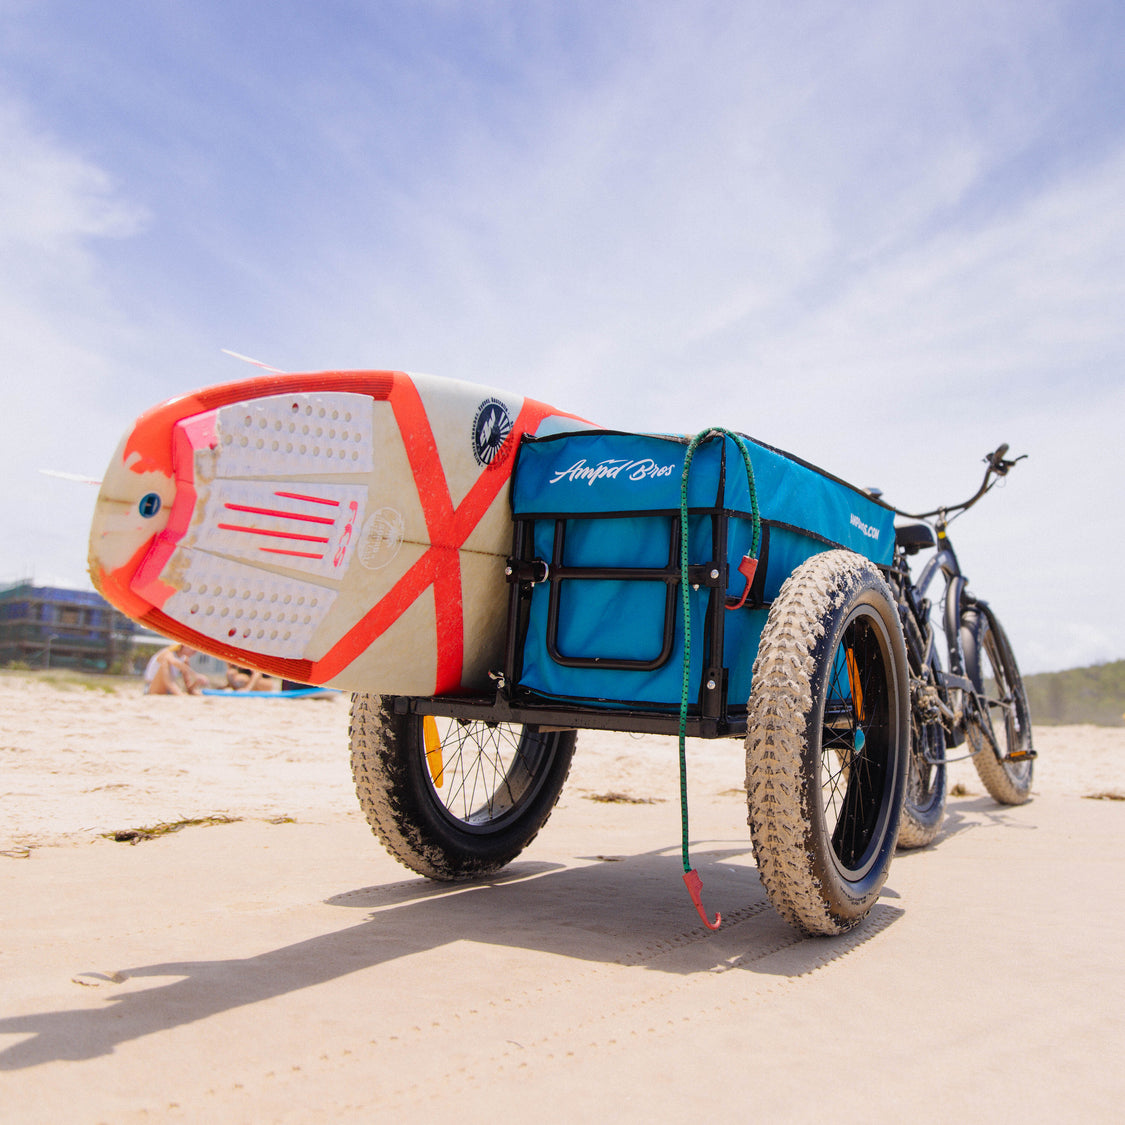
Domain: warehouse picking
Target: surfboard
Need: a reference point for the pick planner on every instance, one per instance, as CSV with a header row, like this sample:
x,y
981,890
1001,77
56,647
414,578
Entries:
x,y
343,529
285,693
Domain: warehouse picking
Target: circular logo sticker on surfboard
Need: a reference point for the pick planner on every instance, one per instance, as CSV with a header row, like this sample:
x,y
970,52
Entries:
x,y
491,429
150,505
381,538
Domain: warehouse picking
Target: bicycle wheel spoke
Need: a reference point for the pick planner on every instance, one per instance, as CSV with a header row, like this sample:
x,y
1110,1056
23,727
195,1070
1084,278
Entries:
x,y
486,769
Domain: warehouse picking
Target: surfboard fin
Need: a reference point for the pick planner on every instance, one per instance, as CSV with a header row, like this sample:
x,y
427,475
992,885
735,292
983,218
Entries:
x,y
253,362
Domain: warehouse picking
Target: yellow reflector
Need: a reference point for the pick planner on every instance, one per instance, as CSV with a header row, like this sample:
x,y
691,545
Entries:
x,y
433,749
853,683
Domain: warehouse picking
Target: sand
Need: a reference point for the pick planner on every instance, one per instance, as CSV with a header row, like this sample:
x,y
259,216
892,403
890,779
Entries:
x,y
282,967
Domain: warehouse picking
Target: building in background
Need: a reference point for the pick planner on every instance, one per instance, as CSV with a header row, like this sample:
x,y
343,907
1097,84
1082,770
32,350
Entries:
x,y
49,627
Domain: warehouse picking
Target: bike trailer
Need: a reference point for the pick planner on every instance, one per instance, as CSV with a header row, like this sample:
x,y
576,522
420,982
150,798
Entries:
x,y
597,615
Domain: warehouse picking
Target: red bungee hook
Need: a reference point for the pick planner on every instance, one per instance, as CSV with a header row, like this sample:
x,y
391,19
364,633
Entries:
x,y
694,885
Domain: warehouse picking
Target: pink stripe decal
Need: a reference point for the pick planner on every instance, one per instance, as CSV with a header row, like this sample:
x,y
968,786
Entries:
x,y
274,534
310,499
292,554
280,514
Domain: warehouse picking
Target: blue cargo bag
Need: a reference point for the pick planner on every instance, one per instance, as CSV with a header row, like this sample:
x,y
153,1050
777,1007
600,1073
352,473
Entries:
x,y
597,518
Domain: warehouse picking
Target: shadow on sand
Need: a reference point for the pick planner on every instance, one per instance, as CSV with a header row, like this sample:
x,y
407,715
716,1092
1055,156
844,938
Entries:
x,y
629,911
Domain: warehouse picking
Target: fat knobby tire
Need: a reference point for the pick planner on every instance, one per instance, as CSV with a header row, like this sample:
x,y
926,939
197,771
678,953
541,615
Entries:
x,y
991,665
833,600
425,832
923,805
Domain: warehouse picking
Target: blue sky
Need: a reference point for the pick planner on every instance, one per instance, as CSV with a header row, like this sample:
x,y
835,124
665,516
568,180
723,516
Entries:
x,y
885,236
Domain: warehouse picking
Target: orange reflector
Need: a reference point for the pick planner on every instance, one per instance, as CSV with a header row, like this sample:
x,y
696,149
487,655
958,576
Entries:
x,y
853,683
433,749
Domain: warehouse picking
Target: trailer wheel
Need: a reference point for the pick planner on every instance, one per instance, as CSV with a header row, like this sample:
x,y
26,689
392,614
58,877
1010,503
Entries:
x,y
451,799
827,743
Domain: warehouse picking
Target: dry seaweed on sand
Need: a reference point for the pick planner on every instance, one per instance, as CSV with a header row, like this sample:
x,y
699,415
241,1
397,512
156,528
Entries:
x,y
155,831
615,798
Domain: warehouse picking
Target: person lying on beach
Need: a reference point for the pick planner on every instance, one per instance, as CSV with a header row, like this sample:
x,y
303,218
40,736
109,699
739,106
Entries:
x,y
247,679
169,673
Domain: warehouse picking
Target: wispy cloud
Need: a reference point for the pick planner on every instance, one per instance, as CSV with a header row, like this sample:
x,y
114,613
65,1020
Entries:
x,y
50,198
59,335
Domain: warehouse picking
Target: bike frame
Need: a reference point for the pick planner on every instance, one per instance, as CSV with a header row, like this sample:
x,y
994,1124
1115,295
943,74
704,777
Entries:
x,y
955,691
914,610
945,561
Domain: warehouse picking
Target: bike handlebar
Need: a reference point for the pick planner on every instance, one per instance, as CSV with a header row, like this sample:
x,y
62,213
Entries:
x,y
997,467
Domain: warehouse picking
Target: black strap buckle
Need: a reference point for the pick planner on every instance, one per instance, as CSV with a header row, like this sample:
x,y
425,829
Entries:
x,y
531,571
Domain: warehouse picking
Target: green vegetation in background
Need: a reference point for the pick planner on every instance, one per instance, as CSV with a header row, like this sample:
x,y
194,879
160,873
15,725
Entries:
x,y
1080,695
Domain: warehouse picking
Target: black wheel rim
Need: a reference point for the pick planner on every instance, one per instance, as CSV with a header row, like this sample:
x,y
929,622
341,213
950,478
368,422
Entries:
x,y
482,776
857,745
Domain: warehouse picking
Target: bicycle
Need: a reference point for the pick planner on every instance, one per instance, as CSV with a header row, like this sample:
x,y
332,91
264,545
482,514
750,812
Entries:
x,y
980,699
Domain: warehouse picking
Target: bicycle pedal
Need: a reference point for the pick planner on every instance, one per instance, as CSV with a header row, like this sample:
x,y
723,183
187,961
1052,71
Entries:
x,y
1021,756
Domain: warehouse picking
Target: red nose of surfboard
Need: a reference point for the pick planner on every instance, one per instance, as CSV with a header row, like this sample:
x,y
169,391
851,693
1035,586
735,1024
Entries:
x,y
132,511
